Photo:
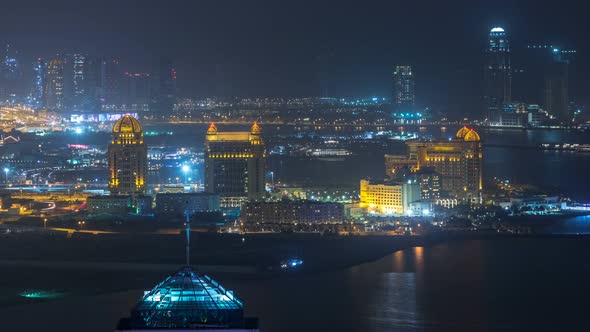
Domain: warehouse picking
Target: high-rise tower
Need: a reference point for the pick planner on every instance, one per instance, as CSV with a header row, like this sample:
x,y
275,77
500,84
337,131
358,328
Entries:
x,y
235,165
127,158
498,75
54,91
404,97
39,86
78,61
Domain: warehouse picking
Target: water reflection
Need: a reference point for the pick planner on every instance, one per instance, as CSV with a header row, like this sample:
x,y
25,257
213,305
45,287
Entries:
x,y
394,308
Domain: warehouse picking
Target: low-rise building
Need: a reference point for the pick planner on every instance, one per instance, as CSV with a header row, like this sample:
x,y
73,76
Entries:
x,y
388,198
292,212
112,204
176,204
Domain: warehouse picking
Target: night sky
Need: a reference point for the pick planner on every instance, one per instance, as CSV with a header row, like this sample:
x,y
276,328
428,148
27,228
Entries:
x,y
295,48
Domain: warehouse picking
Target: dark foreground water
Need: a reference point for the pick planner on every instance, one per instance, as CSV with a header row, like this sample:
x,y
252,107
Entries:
x,y
510,284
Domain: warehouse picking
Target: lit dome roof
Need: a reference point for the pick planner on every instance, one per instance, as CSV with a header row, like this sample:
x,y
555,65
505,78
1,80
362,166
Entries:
x,y
256,130
462,132
127,124
472,136
497,29
212,129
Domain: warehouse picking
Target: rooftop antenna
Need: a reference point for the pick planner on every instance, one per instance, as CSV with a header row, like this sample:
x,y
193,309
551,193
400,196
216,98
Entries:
x,y
188,235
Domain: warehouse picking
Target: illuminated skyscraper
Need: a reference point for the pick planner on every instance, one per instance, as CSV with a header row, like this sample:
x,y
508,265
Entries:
x,y
404,97
498,72
54,91
235,165
78,76
40,83
127,156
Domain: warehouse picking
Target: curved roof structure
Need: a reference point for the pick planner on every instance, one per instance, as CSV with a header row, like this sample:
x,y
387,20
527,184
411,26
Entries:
x,y
462,132
127,124
472,136
497,29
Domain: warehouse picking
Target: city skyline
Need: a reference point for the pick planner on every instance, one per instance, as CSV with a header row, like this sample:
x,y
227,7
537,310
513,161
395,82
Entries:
x,y
289,166
356,62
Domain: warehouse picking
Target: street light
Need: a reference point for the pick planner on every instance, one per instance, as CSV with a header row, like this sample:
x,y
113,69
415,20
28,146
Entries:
x,y
185,170
6,170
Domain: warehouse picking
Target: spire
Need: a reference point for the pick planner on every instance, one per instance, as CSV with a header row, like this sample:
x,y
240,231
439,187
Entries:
x,y
256,130
212,129
188,236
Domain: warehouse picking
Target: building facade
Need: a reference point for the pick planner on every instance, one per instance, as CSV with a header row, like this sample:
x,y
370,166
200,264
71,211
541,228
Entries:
x,y
40,83
235,165
111,204
404,96
497,72
458,161
127,156
388,198
55,89
292,212
177,204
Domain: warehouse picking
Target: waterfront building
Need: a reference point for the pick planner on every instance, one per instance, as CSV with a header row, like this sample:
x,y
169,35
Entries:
x,y
177,204
404,97
545,79
235,165
127,155
292,212
421,208
403,88
458,163
497,72
557,86
388,198
188,301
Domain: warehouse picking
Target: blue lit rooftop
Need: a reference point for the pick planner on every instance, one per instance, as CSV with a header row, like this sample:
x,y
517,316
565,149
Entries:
x,y
187,300
497,29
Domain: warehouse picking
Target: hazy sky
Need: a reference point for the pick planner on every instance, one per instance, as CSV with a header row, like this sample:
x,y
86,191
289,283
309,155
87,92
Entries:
x,y
300,47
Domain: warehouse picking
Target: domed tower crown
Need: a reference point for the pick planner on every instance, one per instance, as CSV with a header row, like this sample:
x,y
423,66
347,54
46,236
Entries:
x,y
127,124
472,136
256,130
212,129
462,132
127,130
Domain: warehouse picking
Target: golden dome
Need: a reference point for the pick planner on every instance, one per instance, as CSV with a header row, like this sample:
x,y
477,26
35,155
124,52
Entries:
x,y
462,132
127,124
212,129
256,130
472,136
